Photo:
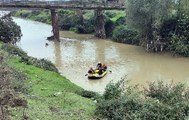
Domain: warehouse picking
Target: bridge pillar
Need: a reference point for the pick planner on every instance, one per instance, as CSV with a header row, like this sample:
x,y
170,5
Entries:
x,y
55,27
99,24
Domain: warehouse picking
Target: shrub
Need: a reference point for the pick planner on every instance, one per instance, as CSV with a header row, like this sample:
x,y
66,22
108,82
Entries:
x,y
67,20
21,13
73,29
159,102
13,50
113,90
110,14
86,27
88,94
42,17
10,32
125,35
176,32
121,21
179,45
41,63
109,26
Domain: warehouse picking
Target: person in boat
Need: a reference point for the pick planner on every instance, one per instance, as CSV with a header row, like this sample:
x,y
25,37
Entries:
x,y
104,67
100,70
99,66
91,71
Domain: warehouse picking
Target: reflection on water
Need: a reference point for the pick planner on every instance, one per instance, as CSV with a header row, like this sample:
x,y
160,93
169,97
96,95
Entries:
x,y
76,53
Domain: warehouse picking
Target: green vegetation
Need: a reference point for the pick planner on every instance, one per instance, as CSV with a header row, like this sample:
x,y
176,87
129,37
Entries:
x,y
42,63
161,24
159,102
9,31
41,16
117,15
157,25
47,94
125,35
177,35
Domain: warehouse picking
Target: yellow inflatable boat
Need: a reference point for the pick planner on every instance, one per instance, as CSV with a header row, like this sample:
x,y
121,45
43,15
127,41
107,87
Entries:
x,y
96,75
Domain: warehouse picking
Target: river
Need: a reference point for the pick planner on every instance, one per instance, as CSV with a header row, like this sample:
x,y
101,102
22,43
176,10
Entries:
x,y
76,53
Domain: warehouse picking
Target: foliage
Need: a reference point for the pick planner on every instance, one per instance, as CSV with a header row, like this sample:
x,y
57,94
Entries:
x,y
176,32
10,84
179,44
121,21
110,14
68,19
125,35
118,15
22,13
88,94
113,90
10,32
159,102
41,16
146,17
41,63
109,27
86,27
12,50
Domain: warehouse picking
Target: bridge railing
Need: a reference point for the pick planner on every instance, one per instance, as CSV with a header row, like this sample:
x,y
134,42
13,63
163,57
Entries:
x,y
77,3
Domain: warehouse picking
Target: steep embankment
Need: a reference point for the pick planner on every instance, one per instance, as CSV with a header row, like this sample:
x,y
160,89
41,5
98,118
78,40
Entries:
x,y
49,95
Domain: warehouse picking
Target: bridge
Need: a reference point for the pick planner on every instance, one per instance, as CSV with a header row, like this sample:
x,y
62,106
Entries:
x,y
54,6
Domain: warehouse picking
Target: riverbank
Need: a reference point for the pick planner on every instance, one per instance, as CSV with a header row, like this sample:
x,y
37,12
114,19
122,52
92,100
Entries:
x,y
49,95
83,22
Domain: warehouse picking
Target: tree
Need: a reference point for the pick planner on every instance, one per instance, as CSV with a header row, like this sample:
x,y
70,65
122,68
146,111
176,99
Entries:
x,y
10,32
146,16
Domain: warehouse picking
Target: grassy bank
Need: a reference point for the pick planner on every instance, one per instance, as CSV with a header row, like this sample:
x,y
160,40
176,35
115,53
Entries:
x,y
50,96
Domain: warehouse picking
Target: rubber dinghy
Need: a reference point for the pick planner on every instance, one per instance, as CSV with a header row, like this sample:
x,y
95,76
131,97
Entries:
x,y
96,75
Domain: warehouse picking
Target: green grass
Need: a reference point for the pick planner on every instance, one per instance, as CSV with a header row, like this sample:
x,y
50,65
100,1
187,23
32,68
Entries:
x,y
51,96
118,15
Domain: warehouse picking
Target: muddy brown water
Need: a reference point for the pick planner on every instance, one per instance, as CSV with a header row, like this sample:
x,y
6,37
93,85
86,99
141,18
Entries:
x,y
76,53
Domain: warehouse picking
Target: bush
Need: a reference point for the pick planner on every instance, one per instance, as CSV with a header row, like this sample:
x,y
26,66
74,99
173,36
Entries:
x,y
176,32
86,27
110,14
159,102
68,20
10,32
21,13
125,35
121,21
113,90
13,50
109,27
42,17
88,94
41,63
